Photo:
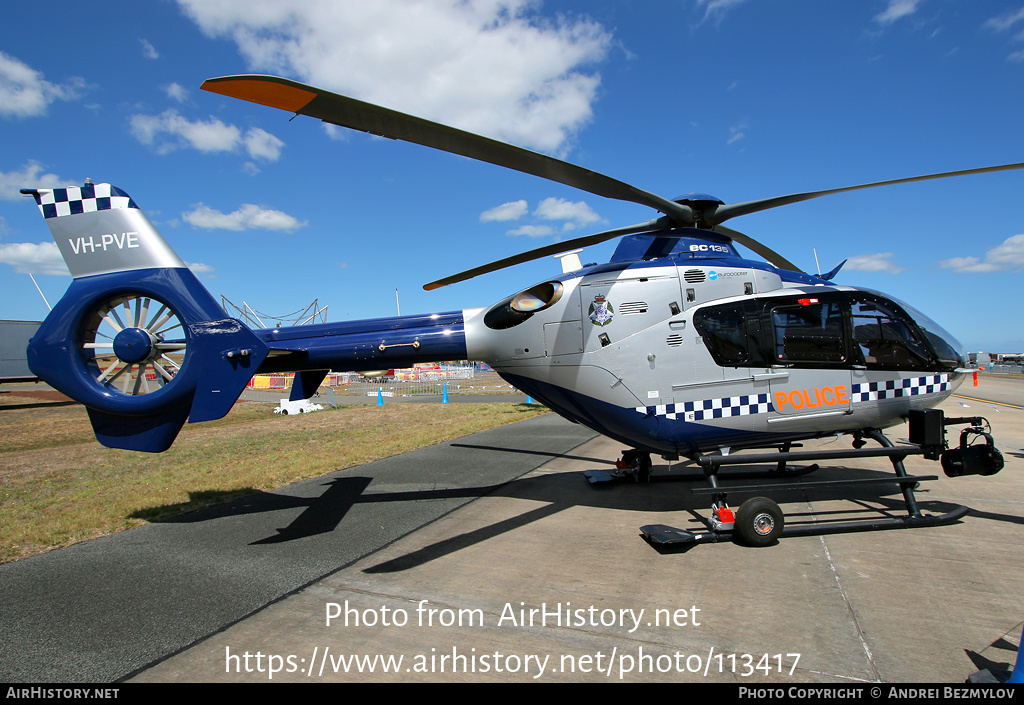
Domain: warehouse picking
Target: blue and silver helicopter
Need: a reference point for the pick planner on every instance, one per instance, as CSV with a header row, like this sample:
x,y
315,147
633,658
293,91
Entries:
x,y
677,347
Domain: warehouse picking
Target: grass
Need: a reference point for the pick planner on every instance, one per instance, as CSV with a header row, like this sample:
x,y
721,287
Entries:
x,y
59,486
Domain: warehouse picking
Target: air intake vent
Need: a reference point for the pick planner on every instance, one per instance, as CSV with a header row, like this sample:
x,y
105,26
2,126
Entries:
x,y
694,276
674,341
633,307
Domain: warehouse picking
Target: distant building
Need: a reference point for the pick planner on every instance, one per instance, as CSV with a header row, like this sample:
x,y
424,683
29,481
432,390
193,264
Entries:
x,y
14,337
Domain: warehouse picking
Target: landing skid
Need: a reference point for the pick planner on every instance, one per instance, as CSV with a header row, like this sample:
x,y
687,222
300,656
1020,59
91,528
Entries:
x,y
664,535
635,466
759,521
597,477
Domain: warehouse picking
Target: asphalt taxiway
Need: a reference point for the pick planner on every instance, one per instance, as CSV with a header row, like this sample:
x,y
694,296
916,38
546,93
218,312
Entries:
x,y
434,569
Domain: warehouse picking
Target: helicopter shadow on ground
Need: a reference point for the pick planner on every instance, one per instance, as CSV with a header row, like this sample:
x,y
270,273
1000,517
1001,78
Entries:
x,y
669,493
323,509
327,501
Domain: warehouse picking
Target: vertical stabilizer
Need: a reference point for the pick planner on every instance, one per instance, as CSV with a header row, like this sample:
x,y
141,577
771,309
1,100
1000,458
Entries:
x,y
136,338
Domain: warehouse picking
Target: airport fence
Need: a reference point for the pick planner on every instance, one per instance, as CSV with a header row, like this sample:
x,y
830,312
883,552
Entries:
x,y
1005,369
459,380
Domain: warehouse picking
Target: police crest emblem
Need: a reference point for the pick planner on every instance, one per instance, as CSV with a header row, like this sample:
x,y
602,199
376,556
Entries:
x,y
601,312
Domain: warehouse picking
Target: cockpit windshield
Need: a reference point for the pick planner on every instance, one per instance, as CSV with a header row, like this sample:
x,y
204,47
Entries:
x,y
947,349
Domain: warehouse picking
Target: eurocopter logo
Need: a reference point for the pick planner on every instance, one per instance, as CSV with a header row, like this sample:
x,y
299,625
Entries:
x,y
601,312
712,275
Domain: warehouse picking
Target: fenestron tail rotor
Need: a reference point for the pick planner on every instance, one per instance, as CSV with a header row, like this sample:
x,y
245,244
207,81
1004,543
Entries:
x,y
691,211
137,342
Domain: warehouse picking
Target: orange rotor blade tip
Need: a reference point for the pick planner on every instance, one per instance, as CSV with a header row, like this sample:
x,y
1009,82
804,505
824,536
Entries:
x,y
270,93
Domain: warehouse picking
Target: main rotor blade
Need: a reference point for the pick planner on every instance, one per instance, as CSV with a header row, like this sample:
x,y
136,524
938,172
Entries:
x,y
723,213
336,109
763,250
550,250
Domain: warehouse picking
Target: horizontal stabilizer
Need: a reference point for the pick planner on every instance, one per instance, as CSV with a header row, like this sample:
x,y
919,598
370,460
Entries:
x,y
828,277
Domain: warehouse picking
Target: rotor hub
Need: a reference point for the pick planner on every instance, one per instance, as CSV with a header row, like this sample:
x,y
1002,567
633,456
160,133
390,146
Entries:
x,y
702,205
134,345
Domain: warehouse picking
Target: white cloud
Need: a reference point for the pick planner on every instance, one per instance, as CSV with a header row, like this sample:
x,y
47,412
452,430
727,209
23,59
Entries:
x,y
30,176
879,262
339,134
32,258
897,10
561,209
200,269
573,215
513,210
736,133
176,92
24,92
494,67
716,9
247,217
169,131
260,144
1006,20
967,265
148,50
1008,255
533,231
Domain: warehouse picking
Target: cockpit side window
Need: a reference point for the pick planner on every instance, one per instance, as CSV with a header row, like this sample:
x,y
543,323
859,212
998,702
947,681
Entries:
x,y
724,331
885,339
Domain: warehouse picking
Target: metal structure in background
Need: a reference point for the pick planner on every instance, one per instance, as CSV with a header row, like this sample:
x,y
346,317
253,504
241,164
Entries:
x,y
254,318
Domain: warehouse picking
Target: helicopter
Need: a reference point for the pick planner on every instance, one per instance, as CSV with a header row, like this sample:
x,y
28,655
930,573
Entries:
x,y
678,346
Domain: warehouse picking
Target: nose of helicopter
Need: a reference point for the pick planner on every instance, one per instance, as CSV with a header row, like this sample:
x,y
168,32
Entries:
x,y
950,352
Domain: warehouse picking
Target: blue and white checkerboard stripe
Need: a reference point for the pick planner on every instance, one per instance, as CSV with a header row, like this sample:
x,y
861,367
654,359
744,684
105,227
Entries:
x,y
58,202
704,409
895,388
726,407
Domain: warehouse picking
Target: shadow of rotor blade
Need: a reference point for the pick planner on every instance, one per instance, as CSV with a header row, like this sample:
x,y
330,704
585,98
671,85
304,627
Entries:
x,y
324,513
457,543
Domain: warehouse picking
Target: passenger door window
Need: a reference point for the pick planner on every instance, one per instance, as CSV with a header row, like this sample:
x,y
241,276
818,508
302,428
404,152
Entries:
x,y
810,332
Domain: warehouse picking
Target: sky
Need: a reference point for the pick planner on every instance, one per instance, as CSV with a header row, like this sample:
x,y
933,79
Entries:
x,y
742,99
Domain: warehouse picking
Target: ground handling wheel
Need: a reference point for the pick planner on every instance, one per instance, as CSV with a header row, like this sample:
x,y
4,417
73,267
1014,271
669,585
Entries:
x,y
759,522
